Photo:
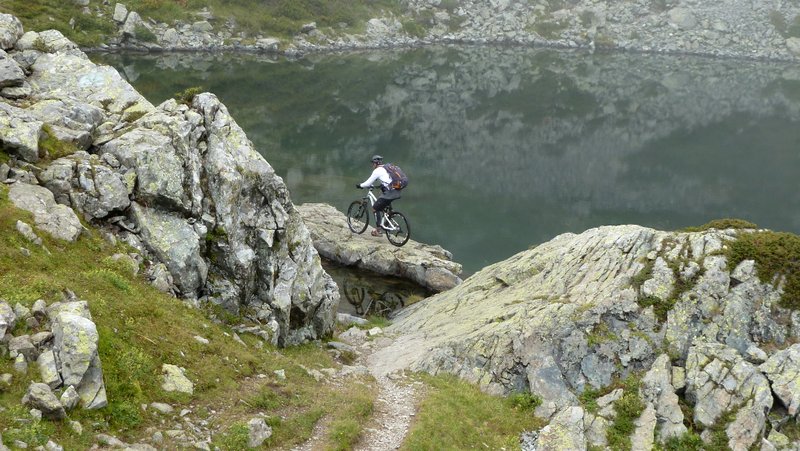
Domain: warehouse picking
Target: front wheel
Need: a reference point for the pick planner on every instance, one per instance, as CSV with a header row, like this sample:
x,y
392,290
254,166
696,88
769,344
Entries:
x,y
358,216
400,232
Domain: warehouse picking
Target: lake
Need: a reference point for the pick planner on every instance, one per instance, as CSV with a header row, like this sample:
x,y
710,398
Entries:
x,y
507,147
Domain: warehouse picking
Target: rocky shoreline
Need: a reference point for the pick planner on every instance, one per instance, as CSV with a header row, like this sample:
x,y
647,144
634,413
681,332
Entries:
x,y
731,29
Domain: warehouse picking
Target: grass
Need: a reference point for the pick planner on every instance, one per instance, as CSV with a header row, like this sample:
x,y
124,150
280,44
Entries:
x,y
645,274
628,408
43,15
186,97
784,28
549,29
51,146
140,329
777,257
722,224
456,415
280,18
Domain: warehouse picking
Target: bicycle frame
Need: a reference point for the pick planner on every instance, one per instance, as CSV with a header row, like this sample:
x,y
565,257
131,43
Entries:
x,y
386,223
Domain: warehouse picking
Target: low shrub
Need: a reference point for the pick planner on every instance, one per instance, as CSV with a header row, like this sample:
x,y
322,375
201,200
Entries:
x,y
777,258
722,224
187,95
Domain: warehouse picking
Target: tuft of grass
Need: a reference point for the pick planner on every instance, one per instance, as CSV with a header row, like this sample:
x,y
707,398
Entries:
x,y
601,334
457,415
777,257
628,408
53,147
41,46
689,441
345,430
661,307
525,401
144,34
792,431
550,29
187,95
644,275
235,437
590,396
413,28
722,224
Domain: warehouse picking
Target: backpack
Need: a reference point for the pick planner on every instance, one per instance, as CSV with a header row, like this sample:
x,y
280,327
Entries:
x,y
399,178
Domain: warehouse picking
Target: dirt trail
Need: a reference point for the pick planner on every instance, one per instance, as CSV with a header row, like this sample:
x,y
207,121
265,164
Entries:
x,y
395,405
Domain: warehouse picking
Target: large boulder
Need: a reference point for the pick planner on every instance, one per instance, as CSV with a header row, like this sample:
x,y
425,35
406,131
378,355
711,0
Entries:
x,y
39,396
57,220
783,371
70,120
658,391
565,431
159,152
10,31
429,266
198,197
174,242
10,72
71,75
553,320
7,318
19,132
569,315
718,381
75,346
87,184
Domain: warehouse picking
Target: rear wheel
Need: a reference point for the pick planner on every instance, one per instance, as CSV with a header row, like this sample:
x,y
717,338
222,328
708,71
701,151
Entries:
x,y
358,216
401,232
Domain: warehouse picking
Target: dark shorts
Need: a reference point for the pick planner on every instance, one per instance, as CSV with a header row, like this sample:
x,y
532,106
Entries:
x,y
386,198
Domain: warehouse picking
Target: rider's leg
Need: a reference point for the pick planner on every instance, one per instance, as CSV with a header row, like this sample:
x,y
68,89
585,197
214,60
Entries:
x,y
378,208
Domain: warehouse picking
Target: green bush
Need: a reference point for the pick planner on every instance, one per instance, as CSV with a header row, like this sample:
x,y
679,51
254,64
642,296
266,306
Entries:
x,y
413,28
549,29
525,401
51,146
187,95
628,408
142,33
722,224
777,257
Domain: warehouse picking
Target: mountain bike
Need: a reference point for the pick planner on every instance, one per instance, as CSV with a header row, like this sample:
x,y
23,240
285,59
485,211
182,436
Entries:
x,y
393,223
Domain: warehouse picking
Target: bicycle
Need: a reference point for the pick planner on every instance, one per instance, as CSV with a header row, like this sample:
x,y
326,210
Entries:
x,y
393,223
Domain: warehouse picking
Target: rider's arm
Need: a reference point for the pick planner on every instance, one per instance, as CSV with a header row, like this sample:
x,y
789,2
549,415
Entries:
x,y
375,175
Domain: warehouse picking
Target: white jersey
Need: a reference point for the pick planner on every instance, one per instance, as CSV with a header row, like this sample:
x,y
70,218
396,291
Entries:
x,y
379,174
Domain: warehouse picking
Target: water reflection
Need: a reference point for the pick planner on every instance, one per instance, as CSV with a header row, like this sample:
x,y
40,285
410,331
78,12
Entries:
x,y
367,294
508,147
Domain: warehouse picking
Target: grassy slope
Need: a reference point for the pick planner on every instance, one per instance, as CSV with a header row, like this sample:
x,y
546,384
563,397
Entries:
x,y
282,18
141,328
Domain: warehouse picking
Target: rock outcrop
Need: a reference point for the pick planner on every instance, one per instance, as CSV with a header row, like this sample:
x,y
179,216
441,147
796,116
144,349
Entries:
x,y
721,28
179,182
578,313
65,352
427,265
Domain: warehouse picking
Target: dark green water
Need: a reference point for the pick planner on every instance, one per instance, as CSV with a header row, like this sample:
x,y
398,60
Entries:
x,y
508,147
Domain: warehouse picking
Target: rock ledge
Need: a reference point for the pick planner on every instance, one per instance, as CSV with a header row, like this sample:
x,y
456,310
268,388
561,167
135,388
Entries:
x,y
427,265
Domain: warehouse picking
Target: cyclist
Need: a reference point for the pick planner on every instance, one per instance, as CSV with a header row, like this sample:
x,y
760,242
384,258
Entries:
x,y
387,193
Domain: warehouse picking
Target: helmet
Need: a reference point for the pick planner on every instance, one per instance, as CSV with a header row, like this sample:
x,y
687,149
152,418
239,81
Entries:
x,y
377,159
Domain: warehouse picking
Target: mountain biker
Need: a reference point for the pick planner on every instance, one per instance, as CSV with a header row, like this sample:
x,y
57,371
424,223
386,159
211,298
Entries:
x,y
387,193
